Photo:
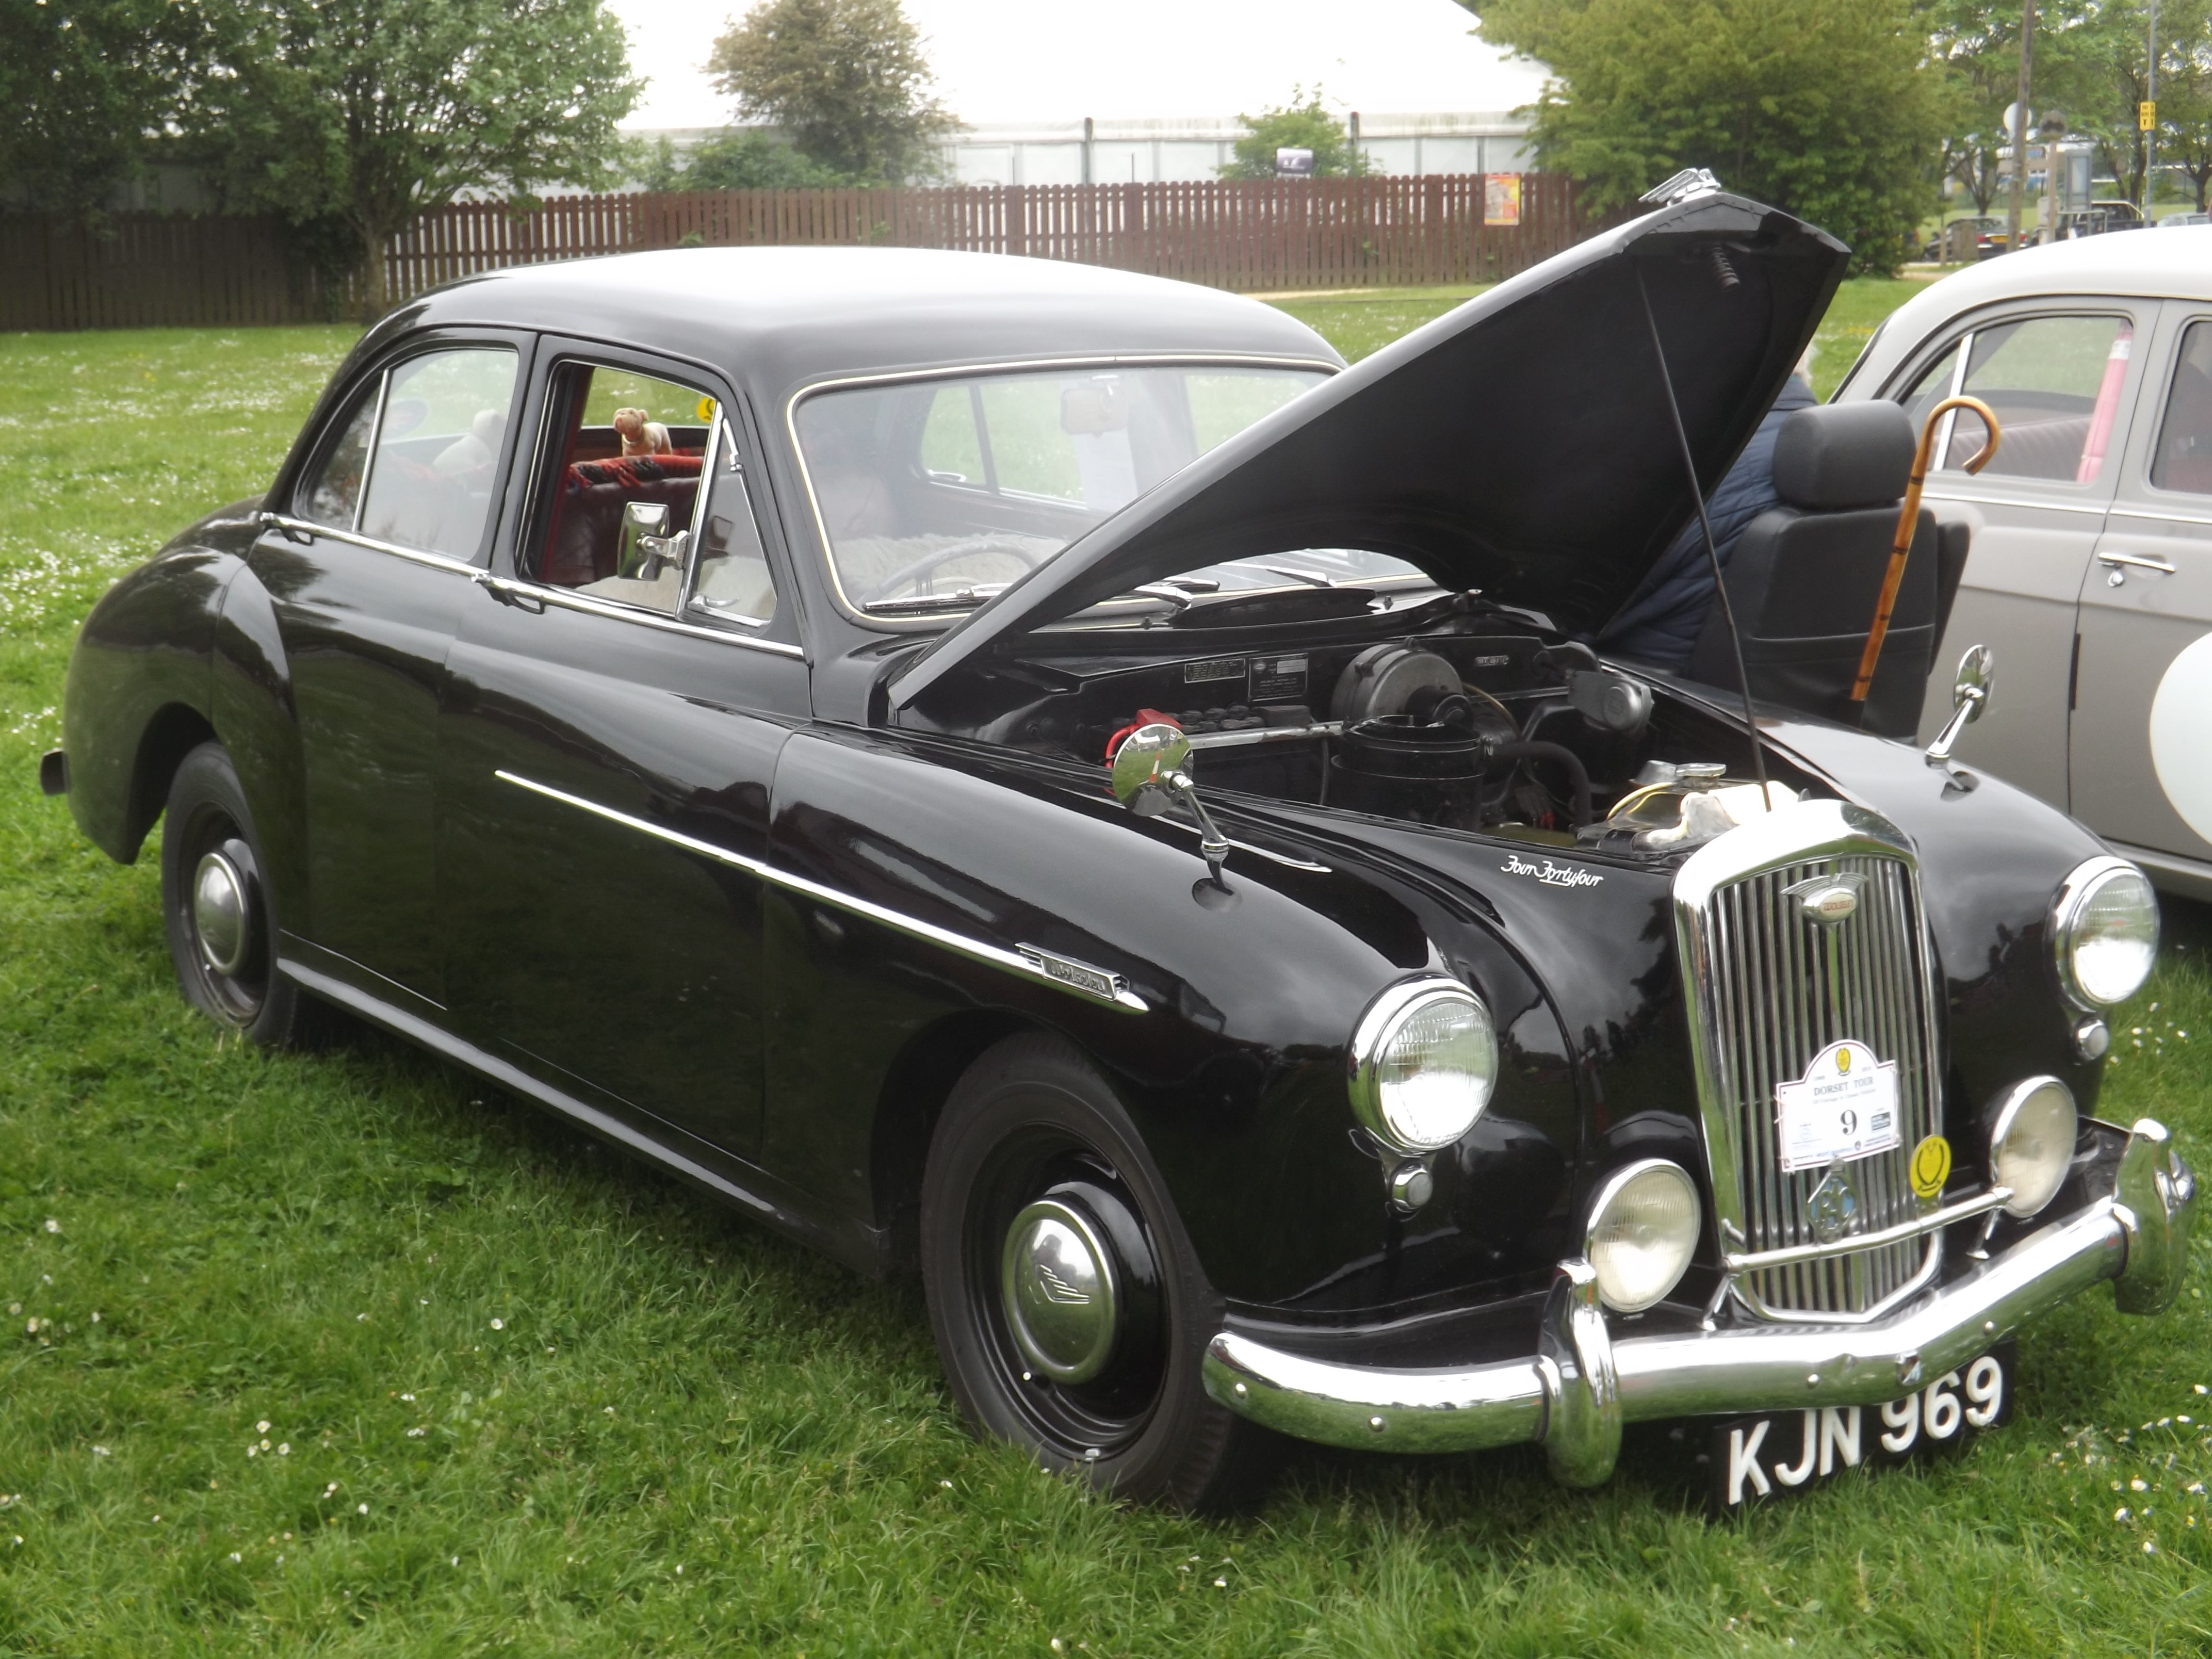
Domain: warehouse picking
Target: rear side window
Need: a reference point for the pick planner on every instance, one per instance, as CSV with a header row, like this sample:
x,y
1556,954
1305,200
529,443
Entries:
x,y
2183,459
413,459
2054,384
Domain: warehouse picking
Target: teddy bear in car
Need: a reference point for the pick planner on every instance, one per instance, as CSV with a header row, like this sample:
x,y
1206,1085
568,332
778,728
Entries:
x,y
641,436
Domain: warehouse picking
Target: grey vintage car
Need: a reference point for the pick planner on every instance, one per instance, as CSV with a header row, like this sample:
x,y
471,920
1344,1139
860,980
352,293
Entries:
x,y
2090,574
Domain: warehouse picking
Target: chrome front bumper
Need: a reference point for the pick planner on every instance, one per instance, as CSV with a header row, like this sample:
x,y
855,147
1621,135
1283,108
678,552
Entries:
x,y
1576,1393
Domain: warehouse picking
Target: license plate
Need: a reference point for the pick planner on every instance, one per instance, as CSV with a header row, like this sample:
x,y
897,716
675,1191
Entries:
x,y
1752,1458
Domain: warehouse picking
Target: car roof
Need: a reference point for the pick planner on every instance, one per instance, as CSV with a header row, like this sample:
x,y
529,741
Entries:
x,y
2173,261
782,317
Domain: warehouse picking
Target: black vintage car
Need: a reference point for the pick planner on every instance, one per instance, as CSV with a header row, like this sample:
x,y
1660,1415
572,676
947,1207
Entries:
x,y
1041,776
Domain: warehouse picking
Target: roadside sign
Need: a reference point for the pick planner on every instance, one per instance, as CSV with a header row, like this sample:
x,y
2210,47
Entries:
x,y
1501,199
1293,163
2147,114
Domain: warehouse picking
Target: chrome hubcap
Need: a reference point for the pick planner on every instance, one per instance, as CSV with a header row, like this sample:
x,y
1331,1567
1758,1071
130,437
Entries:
x,y
219,915
1061,1293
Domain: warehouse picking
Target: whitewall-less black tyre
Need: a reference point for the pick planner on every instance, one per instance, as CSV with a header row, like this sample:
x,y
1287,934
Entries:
x,y
1067,1304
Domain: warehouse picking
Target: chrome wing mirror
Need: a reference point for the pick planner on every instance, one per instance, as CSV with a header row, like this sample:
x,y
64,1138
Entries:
x,y
646,549
1970,695
1151,774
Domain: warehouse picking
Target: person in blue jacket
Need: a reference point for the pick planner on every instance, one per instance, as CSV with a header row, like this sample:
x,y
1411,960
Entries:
x,y
1661,623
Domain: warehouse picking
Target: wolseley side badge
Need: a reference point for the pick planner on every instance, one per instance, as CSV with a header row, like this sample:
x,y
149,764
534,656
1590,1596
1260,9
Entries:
x,y
1844,1107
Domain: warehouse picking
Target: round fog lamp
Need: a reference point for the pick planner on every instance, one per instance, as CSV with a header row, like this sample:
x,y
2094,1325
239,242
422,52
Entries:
x,y
1424,1062
2104,930
1643,1226
2033,1128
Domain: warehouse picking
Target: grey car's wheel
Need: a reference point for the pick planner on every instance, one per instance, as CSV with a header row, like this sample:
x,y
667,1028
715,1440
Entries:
x,y
222,921
1068,1303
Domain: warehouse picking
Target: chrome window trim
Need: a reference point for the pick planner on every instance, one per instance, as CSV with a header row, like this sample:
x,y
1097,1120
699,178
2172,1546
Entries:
x,y
1975,498
1810,830
568,599
1027,962
284,521
719,441
969,371
376,433
2169,515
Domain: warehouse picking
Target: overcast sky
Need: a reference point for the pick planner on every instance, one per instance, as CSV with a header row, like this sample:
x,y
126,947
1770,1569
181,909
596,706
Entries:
x,y
1052,61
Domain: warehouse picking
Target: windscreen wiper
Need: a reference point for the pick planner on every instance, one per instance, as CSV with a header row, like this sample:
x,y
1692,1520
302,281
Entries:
x,y
960,598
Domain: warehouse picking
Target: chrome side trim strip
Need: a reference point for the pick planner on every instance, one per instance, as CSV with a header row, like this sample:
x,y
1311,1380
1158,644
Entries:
x,y
1028,961
2100,508
2161,515
413,554
568,599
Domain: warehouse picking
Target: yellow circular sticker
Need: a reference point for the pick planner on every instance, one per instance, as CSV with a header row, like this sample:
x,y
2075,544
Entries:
x,y
705,409
1931,1166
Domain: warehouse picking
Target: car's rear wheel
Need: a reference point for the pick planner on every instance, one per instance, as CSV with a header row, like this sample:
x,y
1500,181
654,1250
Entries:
x,y
221,921
1068,1303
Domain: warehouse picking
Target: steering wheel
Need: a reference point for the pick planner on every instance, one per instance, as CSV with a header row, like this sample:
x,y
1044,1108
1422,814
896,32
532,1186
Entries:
x,y
930,563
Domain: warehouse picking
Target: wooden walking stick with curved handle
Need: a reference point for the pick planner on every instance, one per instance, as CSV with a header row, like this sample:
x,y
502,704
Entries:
x,y
1908,521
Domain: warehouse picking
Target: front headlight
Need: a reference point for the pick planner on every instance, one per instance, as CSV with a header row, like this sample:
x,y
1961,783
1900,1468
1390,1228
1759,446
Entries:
x,y
1424,1062
1643,1229
2032,1128
2104,930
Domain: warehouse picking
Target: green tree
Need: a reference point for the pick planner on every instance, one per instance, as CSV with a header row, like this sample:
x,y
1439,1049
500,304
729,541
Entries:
x,y
1303,123
353,118
2185,116
1976,48
740,158
87,85
2101,77
845,79
1825,107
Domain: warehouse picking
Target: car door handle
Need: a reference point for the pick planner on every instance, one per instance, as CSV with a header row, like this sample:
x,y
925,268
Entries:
x,y
2136,561
518,594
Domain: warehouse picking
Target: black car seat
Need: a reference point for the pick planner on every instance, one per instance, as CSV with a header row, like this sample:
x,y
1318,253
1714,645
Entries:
x,y
1805,576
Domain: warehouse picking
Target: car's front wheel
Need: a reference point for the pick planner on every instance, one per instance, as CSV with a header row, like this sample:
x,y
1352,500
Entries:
x,y
1068,1303
216,899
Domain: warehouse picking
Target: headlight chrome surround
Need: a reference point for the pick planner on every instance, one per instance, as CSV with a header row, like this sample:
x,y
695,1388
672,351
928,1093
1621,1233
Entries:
x,y
2074,906
1377,1095
1634,1197
2033,1127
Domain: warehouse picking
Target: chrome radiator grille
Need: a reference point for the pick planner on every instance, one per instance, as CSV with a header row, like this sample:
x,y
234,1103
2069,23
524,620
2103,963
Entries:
x,y
1770,990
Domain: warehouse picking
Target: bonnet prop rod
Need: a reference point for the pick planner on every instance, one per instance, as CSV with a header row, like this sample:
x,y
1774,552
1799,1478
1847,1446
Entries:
x,y
1908,521
1712,552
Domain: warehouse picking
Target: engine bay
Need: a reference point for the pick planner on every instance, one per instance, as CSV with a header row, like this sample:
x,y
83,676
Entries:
x,y
1480,726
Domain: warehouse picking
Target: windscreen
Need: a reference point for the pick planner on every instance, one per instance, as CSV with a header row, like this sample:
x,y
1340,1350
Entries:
x,y
935,494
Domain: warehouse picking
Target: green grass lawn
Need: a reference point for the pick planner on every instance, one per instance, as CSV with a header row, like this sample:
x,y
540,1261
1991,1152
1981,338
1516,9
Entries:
x,y
346,1352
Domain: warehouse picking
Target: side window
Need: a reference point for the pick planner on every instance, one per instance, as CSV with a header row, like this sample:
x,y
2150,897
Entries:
x,y
431,479
2183,459
2054,384
622,487
331,494
730,576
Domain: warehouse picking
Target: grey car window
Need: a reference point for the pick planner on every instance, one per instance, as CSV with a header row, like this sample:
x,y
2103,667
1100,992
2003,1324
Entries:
x,y
437,445
2183,457
2054,384
730,578
331,495
934,493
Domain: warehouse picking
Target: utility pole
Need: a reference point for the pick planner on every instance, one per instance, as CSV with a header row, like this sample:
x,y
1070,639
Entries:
x,y
2020,122
2149,115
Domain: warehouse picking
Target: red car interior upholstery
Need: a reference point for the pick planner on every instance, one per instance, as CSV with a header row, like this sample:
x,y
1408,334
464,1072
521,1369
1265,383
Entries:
x,y
586,536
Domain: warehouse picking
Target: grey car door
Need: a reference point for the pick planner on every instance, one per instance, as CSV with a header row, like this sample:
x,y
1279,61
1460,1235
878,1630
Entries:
x,y
2060,378
2142,745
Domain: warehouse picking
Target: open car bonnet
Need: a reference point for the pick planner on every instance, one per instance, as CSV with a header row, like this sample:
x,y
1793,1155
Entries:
x,y
1520,445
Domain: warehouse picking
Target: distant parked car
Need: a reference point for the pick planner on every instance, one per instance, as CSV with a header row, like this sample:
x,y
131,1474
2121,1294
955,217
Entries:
x,y
2174,219
1979,237
2090,569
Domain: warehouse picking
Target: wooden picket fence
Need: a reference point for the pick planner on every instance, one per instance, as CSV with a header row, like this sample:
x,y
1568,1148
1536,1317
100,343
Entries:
x,y
1249,235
